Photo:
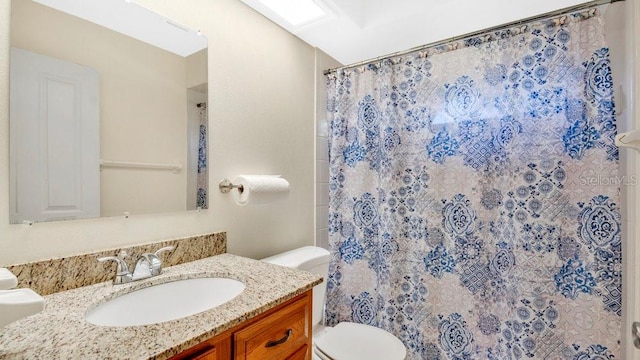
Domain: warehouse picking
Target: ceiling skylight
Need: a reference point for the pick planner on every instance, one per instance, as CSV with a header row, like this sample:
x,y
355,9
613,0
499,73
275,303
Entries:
x,y
295,12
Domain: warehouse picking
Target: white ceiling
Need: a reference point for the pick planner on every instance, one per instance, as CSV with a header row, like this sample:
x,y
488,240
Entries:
x,y
131,19
358,30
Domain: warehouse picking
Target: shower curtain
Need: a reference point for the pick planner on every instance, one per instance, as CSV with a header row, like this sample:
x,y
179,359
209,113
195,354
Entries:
x,y
474,196
203,178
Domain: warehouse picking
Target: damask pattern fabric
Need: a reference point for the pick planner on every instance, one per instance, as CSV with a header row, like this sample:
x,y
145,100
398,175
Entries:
x,y
203,174
474,203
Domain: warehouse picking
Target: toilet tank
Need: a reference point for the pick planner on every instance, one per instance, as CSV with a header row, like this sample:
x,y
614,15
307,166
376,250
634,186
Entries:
x,y
314,260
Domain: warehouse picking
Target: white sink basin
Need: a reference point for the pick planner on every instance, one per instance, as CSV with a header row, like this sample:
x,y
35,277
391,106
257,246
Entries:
x,y
165,302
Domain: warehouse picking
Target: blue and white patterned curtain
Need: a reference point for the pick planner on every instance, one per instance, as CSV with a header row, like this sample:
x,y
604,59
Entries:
x,y
474,196
203,174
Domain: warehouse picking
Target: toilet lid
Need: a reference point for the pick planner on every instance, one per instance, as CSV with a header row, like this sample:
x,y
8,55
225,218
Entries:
x,y
351,341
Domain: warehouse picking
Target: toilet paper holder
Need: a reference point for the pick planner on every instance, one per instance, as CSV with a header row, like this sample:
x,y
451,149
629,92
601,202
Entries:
x,y
225,186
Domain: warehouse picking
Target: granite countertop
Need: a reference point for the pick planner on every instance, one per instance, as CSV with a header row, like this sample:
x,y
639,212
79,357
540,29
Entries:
x,y
60,331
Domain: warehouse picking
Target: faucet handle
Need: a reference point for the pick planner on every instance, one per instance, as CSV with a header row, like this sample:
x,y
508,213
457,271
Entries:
x,y
122,270
146,266
164,249
155,263
122,265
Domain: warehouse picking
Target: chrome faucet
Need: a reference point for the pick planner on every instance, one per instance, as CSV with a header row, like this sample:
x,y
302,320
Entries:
x,y
147,265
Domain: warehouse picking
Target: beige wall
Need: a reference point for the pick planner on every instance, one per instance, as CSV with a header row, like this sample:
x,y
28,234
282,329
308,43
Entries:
x,y
142,115
619,35
196,69
261,100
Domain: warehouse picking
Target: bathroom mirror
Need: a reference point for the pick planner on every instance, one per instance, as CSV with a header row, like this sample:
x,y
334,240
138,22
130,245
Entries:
x,y
108,111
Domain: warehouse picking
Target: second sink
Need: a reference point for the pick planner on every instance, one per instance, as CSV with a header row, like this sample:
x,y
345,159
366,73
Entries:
x,y
165,302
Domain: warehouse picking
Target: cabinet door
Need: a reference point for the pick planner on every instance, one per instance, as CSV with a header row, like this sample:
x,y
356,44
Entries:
x,y
206,354
301,354
218,348
278,336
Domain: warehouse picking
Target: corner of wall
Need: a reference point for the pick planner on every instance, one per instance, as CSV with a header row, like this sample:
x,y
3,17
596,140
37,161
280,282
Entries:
x,y
323,62
622,32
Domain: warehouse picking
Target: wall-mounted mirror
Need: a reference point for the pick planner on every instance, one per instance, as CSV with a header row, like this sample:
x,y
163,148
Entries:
x,y
108,111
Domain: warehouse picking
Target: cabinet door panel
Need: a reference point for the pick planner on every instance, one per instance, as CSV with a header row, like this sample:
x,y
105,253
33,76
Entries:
x,y
276,336
206,354
301,354
217,348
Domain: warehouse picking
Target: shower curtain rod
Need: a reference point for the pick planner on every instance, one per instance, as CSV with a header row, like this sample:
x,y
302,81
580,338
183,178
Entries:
x,y
566,10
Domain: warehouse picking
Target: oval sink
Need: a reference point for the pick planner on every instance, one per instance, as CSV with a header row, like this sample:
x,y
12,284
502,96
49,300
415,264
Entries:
x,y
165,302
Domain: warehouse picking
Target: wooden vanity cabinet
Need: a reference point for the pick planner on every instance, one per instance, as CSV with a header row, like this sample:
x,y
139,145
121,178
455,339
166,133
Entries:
x,y
282,333
218,348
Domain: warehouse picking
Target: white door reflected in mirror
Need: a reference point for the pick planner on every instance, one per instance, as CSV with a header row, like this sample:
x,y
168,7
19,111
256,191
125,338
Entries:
x,y
54,118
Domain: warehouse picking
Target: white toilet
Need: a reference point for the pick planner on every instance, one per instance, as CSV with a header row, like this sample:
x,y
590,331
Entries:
x,y
345,341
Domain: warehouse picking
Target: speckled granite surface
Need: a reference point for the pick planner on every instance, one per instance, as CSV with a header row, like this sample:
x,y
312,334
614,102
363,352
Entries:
x,y
51,276
60,331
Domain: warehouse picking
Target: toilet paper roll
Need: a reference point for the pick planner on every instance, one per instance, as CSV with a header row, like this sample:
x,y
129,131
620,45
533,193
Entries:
x,y
260,189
